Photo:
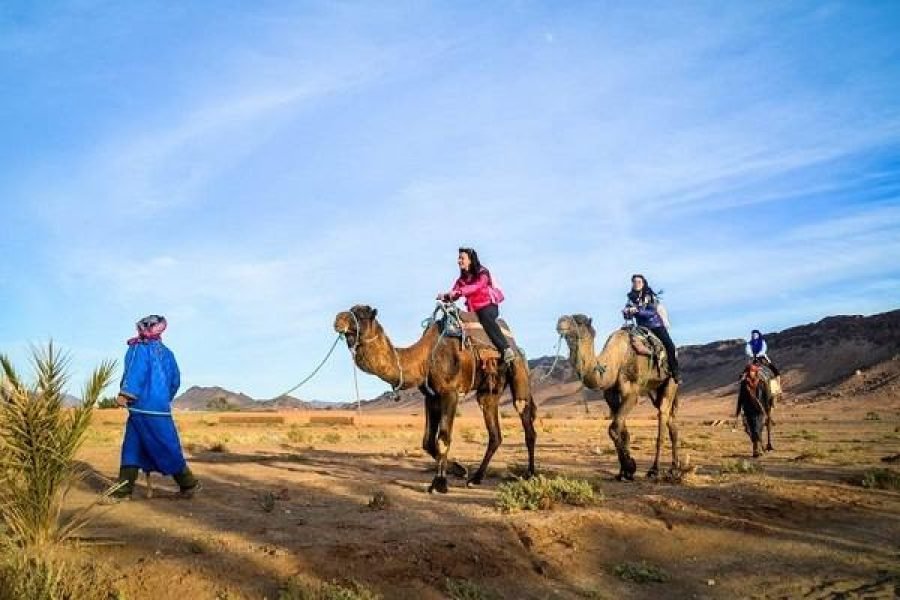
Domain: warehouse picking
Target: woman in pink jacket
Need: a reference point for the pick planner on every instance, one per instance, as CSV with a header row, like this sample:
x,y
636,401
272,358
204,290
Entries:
x,y
476,286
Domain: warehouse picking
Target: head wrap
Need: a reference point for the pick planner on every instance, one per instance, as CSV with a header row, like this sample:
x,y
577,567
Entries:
x,y
150,327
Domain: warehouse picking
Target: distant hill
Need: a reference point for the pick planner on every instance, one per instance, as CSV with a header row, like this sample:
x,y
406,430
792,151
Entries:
x,y
810,356
220,399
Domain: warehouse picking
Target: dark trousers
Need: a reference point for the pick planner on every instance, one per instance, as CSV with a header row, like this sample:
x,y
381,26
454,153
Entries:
x,y
663,334
487,316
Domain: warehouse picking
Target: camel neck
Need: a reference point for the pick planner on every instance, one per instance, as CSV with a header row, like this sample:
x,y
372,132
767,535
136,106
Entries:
x,y
403,367
585,363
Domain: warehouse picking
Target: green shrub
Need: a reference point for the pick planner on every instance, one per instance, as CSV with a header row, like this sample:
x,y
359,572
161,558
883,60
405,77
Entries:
x,y
740,466
299,589
881,479
541,493
872,416
107,403
463,589
641,572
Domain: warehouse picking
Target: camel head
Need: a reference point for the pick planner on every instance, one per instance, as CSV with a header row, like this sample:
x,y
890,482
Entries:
x,y
575,327
357,324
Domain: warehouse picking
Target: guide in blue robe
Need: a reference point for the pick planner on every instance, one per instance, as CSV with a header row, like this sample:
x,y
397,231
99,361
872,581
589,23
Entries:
x,y
149,383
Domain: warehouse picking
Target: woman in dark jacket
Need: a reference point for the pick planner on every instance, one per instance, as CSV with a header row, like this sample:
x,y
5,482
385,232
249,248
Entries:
x,y
642,306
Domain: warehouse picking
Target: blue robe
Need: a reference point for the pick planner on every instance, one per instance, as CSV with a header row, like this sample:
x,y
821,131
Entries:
x,y
150,380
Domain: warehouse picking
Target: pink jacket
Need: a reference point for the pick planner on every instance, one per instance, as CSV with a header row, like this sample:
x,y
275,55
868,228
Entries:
x,y
478,293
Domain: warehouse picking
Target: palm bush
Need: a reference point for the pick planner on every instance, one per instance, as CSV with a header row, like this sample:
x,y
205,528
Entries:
x,y
39,437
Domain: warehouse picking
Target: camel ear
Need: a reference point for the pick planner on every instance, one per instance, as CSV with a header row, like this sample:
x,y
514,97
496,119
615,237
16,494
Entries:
x,y
590,322
374,312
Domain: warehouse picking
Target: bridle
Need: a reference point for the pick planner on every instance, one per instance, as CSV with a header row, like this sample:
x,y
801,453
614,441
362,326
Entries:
x,y
358,341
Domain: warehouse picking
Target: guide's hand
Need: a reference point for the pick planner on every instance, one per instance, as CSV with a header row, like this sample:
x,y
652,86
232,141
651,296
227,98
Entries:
x,y
122,400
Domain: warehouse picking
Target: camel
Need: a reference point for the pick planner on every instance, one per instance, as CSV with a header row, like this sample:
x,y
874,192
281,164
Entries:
x,y
758,407
623,375
444,371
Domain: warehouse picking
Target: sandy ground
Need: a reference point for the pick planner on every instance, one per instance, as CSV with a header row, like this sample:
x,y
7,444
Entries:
x,y
281,500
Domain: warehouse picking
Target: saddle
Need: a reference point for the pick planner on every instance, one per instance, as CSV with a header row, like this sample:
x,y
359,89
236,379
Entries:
x,y
644,343
470,331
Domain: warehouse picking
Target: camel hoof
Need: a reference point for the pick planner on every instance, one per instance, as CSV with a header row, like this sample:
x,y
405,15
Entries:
x,y
457,470
653,473
770,448
629,469
439,485
475,480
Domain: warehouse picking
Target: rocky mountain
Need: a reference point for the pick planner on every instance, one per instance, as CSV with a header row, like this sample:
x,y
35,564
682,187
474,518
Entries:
x,y
220,399
811,357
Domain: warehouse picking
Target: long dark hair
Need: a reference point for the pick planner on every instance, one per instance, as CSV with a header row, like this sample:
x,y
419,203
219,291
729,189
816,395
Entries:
x,y
635,296
475,266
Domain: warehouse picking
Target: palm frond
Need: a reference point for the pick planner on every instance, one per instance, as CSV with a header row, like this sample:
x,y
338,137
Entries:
x,y
39,437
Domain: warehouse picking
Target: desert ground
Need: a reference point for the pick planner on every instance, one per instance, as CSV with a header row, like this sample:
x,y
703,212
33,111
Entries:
x,y
295,500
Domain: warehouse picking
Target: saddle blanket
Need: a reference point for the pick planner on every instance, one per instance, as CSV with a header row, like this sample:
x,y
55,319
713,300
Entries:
x,y
476,334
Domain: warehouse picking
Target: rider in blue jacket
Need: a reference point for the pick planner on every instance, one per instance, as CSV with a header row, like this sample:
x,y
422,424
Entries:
x,y
642,306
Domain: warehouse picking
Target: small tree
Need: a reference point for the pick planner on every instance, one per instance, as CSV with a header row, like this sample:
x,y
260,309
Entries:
x,y
107,403
39,437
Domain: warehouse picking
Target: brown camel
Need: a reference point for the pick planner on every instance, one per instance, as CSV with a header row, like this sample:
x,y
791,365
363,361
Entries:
x,y
623,375
444,371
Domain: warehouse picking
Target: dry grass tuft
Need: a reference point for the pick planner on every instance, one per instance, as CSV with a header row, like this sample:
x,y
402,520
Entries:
x,y
46,576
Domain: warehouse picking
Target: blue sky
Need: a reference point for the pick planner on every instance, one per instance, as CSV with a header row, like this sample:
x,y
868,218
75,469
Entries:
x,y
251,169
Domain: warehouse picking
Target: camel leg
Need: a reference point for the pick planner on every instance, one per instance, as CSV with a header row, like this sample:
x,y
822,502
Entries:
x,y
429,440
662,423
618,432
527,415
432,421
489,408
444,437
662,404
524,404
673,428
769,446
